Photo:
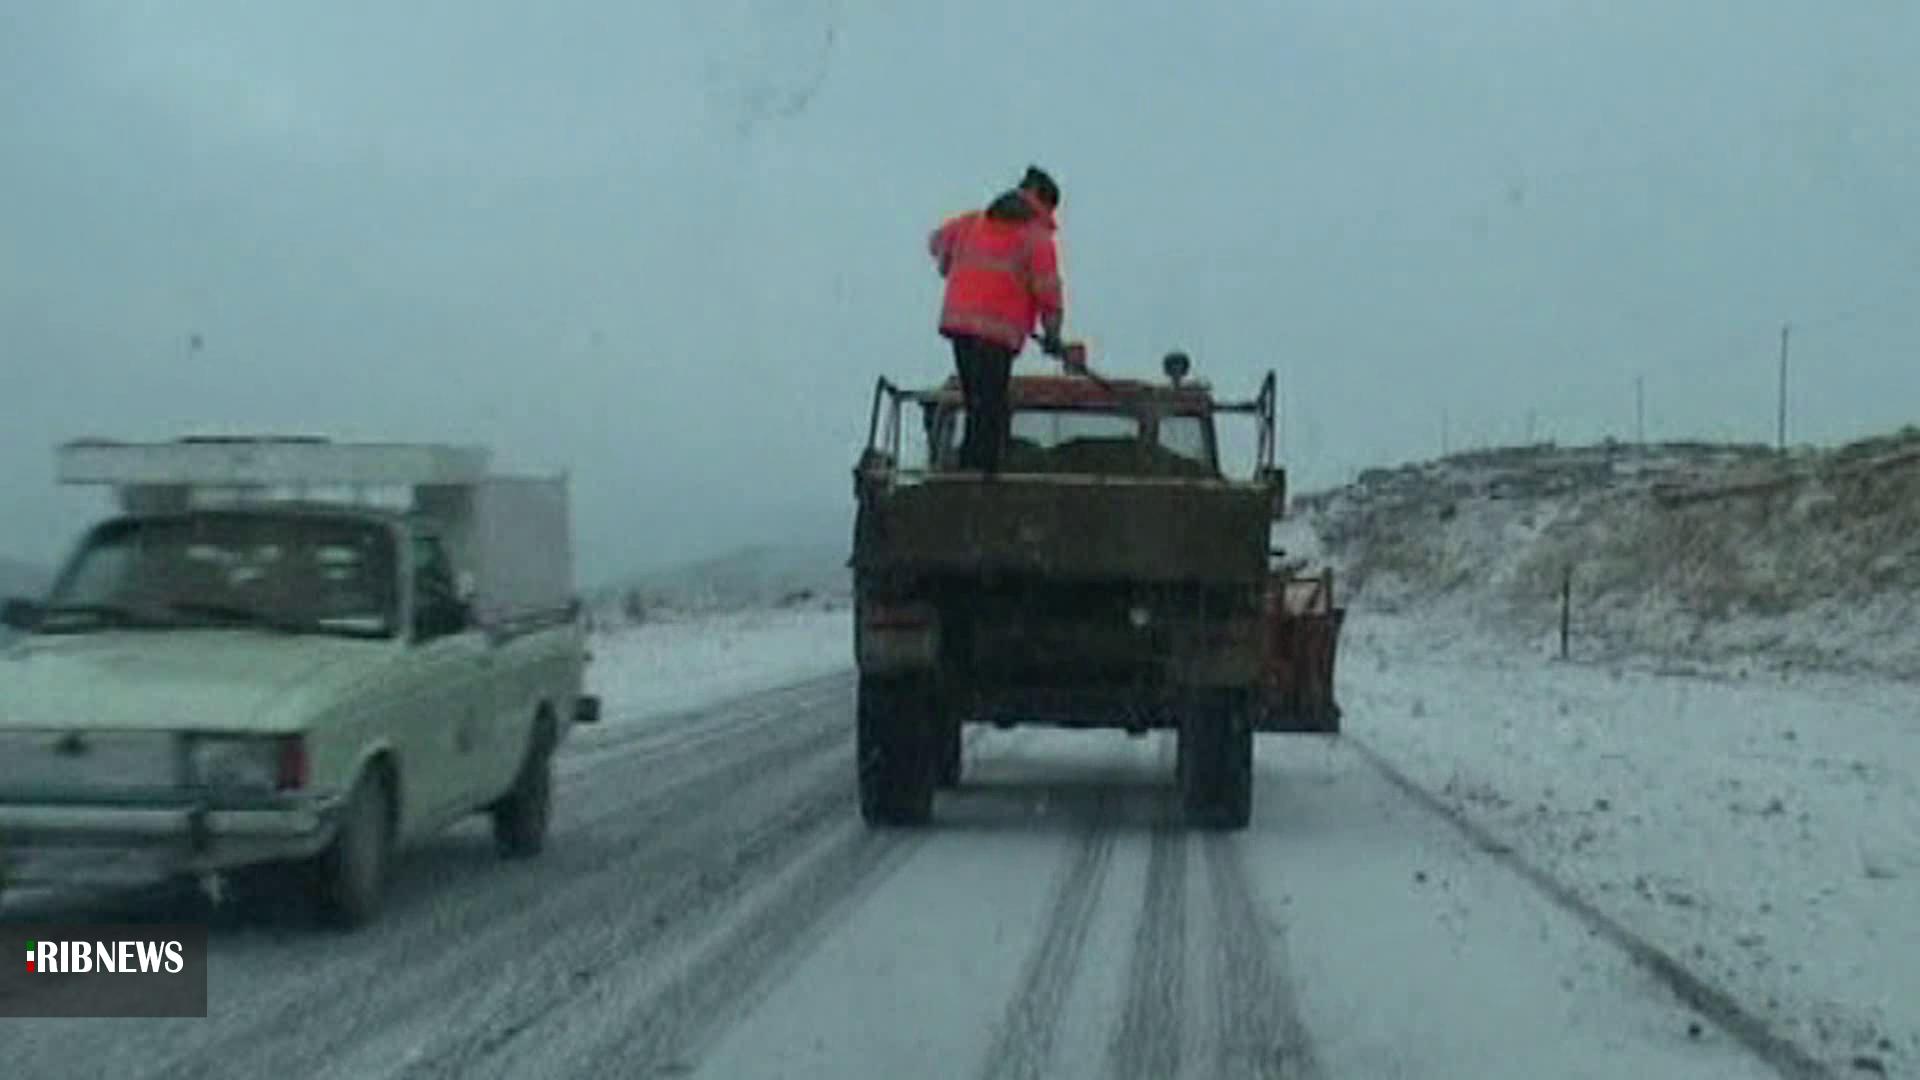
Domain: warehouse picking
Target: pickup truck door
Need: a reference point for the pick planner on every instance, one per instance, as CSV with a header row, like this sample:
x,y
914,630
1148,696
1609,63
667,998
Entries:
x,y
453,691
513,691
536,665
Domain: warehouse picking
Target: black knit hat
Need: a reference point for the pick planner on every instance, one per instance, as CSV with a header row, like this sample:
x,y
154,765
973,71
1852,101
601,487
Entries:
x,y
1042,186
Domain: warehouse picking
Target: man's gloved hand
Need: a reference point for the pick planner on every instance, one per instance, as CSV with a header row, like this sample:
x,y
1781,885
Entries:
x,y
1051,345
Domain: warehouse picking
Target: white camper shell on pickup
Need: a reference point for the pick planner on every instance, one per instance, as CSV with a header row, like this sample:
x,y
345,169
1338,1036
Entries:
x,y
289,654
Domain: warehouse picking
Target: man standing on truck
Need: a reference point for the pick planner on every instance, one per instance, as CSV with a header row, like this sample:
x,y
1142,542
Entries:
x,y
1003,274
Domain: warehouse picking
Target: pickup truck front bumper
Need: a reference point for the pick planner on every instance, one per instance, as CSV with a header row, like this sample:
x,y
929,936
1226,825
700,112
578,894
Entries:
x,y
87,843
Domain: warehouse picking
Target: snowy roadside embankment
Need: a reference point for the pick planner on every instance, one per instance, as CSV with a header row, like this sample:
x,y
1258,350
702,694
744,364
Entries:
x,y
1760,830
1717,556
675,663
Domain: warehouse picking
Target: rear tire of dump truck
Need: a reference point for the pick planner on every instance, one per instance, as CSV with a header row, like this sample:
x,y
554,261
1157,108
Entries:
x,y
1215,762
947,748
897,750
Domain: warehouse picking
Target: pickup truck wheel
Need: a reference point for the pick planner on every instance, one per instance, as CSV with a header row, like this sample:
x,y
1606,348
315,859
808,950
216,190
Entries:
x,y
520,819
353,869
1215,762
896,748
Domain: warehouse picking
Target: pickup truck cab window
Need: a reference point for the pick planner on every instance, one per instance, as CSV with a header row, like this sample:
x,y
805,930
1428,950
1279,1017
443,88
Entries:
x,y
438,609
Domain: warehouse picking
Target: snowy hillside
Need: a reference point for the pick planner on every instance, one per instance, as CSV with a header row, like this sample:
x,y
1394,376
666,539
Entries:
x,y
1687,552
761,576
21,579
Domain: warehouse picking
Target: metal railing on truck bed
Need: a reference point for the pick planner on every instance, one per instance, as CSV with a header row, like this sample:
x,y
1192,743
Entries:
x,y
884,430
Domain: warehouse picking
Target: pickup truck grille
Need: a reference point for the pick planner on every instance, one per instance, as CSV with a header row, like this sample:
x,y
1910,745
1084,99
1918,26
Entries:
x,y
64,764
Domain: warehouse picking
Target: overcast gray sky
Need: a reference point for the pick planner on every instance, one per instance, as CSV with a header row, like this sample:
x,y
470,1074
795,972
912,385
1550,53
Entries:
x,y
669,246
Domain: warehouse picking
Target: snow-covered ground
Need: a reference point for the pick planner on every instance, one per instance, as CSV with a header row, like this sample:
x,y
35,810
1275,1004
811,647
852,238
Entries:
x,y
1730,763
674,663
1760,829
710,904
1765,831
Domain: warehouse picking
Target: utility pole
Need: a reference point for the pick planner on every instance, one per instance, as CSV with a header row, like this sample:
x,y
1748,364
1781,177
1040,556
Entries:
x,y
1786,331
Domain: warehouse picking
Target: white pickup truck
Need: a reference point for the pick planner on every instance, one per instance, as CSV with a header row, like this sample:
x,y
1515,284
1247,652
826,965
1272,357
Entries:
x,y
285,660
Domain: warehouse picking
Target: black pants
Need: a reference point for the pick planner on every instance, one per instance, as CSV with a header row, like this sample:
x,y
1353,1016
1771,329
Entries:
x,y
984,368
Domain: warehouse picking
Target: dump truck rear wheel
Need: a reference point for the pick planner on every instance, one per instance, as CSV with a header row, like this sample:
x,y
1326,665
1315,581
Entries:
x,y
948,749
897,750
1215,762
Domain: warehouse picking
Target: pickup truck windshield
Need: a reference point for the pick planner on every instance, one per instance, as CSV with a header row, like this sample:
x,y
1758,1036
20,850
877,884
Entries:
x,y
280,573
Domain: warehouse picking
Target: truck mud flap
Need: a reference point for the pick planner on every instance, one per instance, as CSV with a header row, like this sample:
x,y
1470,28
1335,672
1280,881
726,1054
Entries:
x,y
1297,683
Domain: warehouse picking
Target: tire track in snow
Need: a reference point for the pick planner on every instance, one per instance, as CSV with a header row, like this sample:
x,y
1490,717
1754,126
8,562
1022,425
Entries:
x,y
1259,1031
1147,1044
791,739
580,777
1024,1042
1786,1057
669,833
678,731
721,983
694,897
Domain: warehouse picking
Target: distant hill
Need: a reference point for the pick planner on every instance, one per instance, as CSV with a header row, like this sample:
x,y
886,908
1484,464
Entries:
x,y
22,579
1680,550
763,575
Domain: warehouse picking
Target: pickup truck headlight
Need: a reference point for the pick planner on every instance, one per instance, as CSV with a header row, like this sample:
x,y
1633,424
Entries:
x,y
246,762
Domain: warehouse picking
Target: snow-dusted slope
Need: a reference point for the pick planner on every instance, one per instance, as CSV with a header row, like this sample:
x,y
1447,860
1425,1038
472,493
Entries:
x,y
1716,555
21,579
747,578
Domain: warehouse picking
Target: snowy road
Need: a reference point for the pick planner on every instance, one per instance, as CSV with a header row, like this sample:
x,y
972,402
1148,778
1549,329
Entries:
x,y
710,905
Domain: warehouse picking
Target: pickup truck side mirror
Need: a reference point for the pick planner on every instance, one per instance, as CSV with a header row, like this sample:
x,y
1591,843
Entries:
x,y
19,613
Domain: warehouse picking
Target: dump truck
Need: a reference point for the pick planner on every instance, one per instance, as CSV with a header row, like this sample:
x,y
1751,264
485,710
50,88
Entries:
x,y
282,660
1111,574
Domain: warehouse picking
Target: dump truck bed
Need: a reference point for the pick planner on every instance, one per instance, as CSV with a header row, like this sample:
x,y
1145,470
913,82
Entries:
x,y
1068,528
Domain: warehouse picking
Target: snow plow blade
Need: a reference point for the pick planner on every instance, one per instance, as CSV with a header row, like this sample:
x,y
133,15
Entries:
x,y
1302,637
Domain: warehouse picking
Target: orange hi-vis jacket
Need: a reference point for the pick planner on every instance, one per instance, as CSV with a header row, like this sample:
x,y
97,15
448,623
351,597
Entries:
x,y
1002,270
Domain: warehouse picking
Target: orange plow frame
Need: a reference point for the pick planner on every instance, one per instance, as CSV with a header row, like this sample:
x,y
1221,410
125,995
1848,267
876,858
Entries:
x,y
1296,672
